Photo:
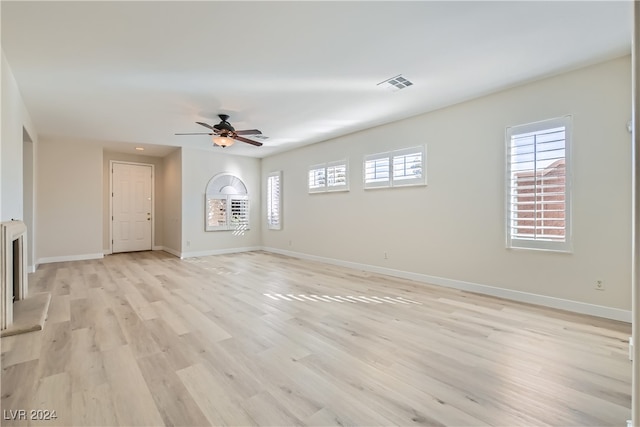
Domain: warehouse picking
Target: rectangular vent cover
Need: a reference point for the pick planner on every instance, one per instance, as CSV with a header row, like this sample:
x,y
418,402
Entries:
x,y
395,83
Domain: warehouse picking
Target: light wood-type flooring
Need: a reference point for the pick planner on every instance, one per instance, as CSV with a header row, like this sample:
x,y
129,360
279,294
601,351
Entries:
x,y
262,339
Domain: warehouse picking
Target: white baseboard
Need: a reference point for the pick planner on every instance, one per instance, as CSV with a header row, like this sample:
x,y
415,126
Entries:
x,y
81,257
183,255
32,268
172,252
218,252
154,248
543,300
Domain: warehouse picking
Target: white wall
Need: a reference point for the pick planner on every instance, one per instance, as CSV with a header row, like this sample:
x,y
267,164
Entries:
x,y
172,233
198,167
158,200
69,194
454,228
14,118
17,159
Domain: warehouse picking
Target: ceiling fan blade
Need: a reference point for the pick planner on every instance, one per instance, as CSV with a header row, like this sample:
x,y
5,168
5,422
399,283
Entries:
x,y
248,141
194,133
205,125
248,132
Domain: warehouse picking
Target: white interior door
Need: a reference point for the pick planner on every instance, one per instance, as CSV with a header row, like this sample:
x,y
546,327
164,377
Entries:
x,y
131,207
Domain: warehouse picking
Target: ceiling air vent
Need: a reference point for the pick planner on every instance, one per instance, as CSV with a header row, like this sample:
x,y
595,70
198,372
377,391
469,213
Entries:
x,y
395,83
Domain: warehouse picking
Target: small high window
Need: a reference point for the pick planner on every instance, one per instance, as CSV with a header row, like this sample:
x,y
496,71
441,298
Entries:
x,y
332,176
395,168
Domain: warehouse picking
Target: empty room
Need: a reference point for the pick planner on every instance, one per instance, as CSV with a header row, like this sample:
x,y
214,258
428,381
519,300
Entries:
x,y
367,213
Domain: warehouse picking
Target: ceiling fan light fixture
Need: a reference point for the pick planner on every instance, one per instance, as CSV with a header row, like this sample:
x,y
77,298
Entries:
x,y
223,141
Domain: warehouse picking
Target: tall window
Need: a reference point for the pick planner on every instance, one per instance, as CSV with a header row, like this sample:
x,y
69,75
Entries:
x,y
274,201
332,176
395,168
538,197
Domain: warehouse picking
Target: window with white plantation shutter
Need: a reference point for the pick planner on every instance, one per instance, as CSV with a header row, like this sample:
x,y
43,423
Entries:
x,y
239,215
395,168
538,197
376,170
226,204
337,176
217,213
407,166
332,176
317,178
274,201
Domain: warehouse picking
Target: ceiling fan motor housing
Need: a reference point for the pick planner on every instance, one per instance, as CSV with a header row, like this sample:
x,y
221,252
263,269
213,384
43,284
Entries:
x,y
224,125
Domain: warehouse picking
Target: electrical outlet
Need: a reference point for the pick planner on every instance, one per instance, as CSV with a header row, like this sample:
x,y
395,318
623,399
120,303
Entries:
x,y
289,242
599,285
188,243
385,256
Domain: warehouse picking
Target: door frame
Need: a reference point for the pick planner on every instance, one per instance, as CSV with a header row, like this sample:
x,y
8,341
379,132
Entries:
x,y
153,200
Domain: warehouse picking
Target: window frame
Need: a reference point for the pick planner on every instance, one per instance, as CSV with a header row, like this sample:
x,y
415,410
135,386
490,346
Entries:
x,y
388,158
227,188
240,222
271,224
405,180
378,158
337,186
229,223
318,172
539,243
326,186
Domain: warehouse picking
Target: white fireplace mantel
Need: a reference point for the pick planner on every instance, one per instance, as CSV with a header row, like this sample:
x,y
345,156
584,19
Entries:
x,y
11,231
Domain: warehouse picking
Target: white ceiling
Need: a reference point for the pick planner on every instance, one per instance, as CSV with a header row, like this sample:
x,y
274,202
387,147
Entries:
x,y
127,74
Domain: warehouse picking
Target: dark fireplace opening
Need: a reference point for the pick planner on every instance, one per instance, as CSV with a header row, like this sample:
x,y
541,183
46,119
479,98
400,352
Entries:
x,y
16,268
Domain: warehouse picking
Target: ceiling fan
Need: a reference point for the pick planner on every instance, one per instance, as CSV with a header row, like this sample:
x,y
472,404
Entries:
x,y
225,135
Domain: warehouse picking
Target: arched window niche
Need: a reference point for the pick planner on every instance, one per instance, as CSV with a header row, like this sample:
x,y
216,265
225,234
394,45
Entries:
x,y
226,204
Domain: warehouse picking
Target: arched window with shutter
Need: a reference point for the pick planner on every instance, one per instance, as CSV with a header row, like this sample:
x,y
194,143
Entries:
x,y
226,204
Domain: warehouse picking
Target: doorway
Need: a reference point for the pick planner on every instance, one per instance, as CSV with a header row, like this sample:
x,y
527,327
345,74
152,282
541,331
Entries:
x,y
131,207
